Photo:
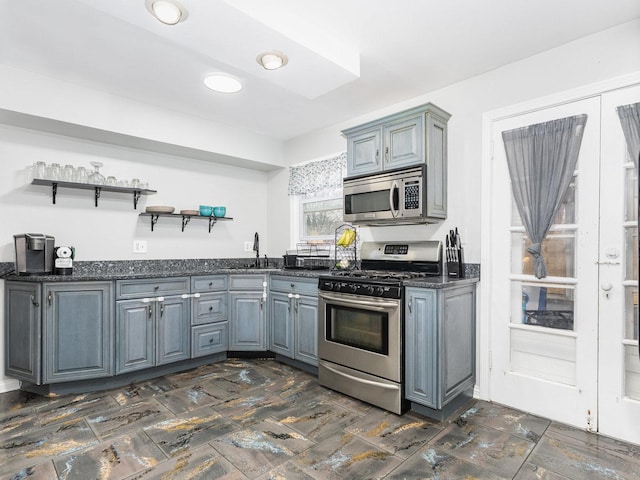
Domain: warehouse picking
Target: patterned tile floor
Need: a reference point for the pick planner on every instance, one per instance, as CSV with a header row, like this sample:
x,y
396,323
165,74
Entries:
x,y
259,419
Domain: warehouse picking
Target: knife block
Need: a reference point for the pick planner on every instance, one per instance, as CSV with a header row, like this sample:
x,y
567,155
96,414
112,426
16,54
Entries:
x,y
456,269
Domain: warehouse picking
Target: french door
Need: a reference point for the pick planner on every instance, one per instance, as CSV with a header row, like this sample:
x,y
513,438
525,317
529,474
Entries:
x,y
565,346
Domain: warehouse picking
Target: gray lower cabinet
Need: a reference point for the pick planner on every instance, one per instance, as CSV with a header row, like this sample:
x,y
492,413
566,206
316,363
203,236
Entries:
x,y
59,332
439,344
293,313
155,329
248,317
209,317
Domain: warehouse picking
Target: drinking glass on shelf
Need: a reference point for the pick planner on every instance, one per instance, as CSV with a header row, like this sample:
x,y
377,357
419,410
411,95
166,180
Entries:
x,y
135,183
39,170
80,175
53,171
111,181
144,185
123,183
67,173
96,178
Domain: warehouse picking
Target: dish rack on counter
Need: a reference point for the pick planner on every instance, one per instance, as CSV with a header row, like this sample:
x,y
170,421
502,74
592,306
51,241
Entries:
x,y
312,255
346,248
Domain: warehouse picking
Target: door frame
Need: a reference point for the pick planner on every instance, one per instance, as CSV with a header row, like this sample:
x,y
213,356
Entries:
x,y
486,298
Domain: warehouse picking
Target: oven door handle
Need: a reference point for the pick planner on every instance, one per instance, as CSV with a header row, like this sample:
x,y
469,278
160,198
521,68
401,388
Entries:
x,y
378,306
358,379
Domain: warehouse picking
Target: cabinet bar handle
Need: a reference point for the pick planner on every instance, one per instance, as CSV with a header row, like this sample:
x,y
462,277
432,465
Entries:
x,y
33,300
161,309
410,304
50,299
386,153
150,311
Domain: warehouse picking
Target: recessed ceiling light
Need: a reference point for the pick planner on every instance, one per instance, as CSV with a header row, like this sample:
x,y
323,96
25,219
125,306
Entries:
x,y
220,82
169,12
272,59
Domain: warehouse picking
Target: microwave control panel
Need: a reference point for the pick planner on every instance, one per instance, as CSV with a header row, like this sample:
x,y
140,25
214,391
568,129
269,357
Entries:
x,y
412,195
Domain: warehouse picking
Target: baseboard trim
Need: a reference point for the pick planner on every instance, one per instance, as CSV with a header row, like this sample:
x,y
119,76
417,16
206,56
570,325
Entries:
x,y
9,385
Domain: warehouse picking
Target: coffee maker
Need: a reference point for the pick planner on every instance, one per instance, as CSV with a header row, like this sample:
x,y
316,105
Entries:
x,y
34,253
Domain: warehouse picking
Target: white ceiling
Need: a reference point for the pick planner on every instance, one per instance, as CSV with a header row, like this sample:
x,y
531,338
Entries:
x,y
346,57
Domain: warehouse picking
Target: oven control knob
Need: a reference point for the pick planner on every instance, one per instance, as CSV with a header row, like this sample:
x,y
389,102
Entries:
x,y
380,291
369,289
354,288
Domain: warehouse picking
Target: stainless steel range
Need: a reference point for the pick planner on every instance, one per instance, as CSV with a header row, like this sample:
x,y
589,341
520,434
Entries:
x,y
361,320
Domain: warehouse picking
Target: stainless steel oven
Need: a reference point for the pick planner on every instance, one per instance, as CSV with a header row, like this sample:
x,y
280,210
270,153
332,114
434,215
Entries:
x,y
361,321
360,347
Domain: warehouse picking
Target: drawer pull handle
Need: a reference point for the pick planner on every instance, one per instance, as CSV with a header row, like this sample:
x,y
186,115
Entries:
x,y
211,309
211,284
211,340
157,287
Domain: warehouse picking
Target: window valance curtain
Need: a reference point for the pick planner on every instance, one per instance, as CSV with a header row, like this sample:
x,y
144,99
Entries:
x,y
319,176
630,120
541,160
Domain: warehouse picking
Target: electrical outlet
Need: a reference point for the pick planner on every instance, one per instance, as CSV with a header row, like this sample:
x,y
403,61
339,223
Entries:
x,y
139,246
248,246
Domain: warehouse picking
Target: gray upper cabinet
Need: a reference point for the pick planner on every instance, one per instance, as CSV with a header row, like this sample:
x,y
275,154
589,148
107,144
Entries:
x,y
59,332
153,329
439,344
248,317
412,137
293,313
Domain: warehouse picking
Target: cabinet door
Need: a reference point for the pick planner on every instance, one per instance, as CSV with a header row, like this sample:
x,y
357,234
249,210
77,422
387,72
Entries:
x,y
363,152
209,308
421,347
281,325
436,159
403,143
248,321
77,329
173,334
23,331
306,328
135,335
458,341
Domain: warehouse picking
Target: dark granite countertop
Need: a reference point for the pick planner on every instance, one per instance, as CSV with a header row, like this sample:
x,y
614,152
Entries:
x,y
84,271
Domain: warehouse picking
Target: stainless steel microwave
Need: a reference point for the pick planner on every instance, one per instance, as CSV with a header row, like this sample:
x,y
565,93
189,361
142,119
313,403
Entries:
x,y
386,198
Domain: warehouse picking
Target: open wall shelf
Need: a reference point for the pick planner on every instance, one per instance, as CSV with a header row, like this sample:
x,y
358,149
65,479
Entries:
x,y
97,189
185,218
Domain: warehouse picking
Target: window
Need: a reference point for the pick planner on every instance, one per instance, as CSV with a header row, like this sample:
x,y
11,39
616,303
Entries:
x,y
320,218
315,190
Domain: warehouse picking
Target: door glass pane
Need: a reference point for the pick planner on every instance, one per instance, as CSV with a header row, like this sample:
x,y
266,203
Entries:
x,y
631,194
631,313
558,250
631,253
544,305
566,213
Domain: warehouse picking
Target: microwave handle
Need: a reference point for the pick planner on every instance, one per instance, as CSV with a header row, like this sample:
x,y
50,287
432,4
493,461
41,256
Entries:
x,y
394,198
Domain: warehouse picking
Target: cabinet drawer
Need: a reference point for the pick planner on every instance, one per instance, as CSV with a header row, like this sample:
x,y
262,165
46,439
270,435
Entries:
x,y
151,287
208,308
303,286
208,283
208,339
246,282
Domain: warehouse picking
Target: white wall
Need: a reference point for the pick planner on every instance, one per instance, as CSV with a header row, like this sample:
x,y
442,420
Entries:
x,y
605,55
107,232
